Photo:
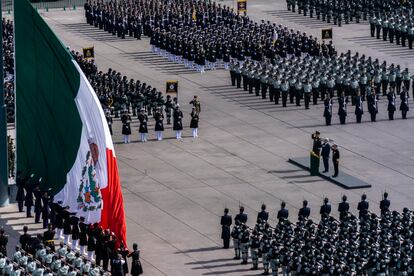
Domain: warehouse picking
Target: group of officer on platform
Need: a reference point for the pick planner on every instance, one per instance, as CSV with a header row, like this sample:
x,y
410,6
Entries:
x,y
363,244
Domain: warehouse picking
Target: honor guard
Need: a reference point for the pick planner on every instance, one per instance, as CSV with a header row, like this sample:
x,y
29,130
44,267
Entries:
x,y
327,113
404,103
391,105
225,222
342,102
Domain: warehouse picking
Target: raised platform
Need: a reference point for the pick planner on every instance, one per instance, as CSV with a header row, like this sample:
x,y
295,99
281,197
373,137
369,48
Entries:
x,y
343,179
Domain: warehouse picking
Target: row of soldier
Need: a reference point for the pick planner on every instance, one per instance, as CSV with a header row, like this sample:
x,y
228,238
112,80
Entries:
x,y
171,108
349,77
333,11
215,33
116,92
118,95
86,239
396,27
366,244
37,255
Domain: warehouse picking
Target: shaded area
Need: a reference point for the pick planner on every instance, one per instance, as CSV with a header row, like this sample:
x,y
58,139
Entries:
x,y
344,180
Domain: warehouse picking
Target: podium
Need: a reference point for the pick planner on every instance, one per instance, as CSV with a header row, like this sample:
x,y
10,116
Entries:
x,y
314,163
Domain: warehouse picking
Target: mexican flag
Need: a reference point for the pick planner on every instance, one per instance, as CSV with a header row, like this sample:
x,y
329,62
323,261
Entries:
x,y
62,134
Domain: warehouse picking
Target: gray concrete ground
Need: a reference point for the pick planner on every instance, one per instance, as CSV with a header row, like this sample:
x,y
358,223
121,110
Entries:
x,y
175,191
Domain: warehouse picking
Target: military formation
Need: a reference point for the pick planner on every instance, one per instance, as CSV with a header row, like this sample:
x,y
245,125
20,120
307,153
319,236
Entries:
x,y
120,96
272,60
362,244
203,35
88,243
394,24
8,66
339,11
331,80
37,255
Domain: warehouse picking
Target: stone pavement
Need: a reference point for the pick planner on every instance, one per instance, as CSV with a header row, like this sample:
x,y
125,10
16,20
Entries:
x,y
175,191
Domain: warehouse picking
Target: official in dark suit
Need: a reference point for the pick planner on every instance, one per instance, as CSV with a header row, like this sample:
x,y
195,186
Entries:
x,y
304,212
363,206
326,151
225,222
283,213
343,208
20,182
385,204
263,215
325,208
335,159
241,217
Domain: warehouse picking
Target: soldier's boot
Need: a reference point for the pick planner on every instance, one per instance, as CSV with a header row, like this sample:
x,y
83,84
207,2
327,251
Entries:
x,y
335,21
266,269
116,114
134,112
168,121
244,257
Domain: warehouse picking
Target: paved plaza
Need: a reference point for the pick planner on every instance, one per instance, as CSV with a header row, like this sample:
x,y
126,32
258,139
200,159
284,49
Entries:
x,y
175,192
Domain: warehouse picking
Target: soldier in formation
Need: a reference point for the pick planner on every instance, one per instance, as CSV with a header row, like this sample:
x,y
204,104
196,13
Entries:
x,y
367,244
346,78
335,11
37,256
119,96
201,34
394,22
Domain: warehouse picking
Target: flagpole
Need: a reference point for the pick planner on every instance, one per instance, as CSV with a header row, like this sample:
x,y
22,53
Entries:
x,y
4,172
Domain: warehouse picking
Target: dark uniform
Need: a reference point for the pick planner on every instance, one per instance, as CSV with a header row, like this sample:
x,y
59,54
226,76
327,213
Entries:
x,y
363,207
327,113
404,103
325,209
335,160
342,102
391,105
225,222
4,239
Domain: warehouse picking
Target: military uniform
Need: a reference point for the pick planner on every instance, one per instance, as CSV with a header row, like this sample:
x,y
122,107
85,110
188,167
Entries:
x,y
327,113
342,102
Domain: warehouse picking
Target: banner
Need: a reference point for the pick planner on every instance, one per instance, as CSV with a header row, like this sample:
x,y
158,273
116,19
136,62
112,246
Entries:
x,y
172,88
327,33
241,6
88,52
